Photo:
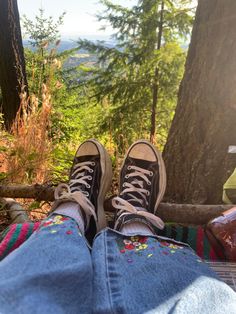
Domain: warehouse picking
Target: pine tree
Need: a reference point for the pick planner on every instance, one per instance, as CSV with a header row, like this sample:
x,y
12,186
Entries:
x,y
43,60
141,73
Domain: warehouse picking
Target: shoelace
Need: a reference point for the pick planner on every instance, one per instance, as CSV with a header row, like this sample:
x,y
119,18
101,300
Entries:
x,y
125,206
73,192
79,174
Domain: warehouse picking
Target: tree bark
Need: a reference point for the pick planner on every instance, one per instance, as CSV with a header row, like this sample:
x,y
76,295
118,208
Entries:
x,y
205,120
12,62
155,87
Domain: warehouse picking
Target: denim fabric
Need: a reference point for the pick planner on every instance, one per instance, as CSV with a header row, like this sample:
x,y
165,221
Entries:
x,y
146,275
54,272
50,273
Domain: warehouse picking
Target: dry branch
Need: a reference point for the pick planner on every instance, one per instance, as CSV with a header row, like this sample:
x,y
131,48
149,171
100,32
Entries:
x,y
179,213
184,213
36,191
190,214
16,212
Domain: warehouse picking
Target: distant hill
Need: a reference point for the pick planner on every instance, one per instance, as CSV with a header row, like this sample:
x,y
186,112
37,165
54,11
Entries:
x,y
67,44
81,56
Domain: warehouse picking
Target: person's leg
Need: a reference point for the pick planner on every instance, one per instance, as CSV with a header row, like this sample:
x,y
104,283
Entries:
x,y
144,273
52,271
147,275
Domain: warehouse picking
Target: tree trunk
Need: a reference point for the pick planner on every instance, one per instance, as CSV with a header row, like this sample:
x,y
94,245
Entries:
x,y
155,87
205,120
12,63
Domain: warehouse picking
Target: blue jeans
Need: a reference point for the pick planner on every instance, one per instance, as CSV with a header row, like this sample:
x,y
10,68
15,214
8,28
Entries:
x,y
55,271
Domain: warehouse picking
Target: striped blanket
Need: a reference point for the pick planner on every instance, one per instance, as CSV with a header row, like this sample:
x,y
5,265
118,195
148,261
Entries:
x,y
17,234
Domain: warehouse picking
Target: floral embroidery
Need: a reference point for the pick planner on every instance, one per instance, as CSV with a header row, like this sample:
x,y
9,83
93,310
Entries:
x,y
135,244
52,224
146,246
55,220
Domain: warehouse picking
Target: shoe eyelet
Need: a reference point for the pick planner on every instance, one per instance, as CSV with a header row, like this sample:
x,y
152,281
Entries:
x,y
93,163
129,167
90,170
150,173
127,176
124,185
90,178
86,193
148,193
148,183
88,186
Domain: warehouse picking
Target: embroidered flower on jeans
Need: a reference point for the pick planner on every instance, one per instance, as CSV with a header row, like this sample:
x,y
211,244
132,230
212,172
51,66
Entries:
x,y
169,248
134,239
136,246
142,247
127,241
145,246
173,246
129,246
135,243
55,220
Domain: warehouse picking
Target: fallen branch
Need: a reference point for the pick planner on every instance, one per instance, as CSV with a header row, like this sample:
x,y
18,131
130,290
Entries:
x,y
16,212
190,214
36,191
184,213
169,212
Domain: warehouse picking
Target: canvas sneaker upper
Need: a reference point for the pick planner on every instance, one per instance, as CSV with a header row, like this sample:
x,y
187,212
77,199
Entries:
x,y
142,186
90,179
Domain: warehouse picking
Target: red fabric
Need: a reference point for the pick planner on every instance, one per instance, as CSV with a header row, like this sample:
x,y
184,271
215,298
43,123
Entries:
x,y
200,238
7,239
22,236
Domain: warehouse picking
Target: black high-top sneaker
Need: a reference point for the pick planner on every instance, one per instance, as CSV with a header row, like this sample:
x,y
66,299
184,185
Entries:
x,y
142,186
90,179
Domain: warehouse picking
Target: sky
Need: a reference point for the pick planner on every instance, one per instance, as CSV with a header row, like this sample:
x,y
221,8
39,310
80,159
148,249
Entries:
x,y
79,19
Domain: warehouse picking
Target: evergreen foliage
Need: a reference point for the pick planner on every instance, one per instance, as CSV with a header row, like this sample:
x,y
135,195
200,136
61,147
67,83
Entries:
x,y
147,37
43,30
112,98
